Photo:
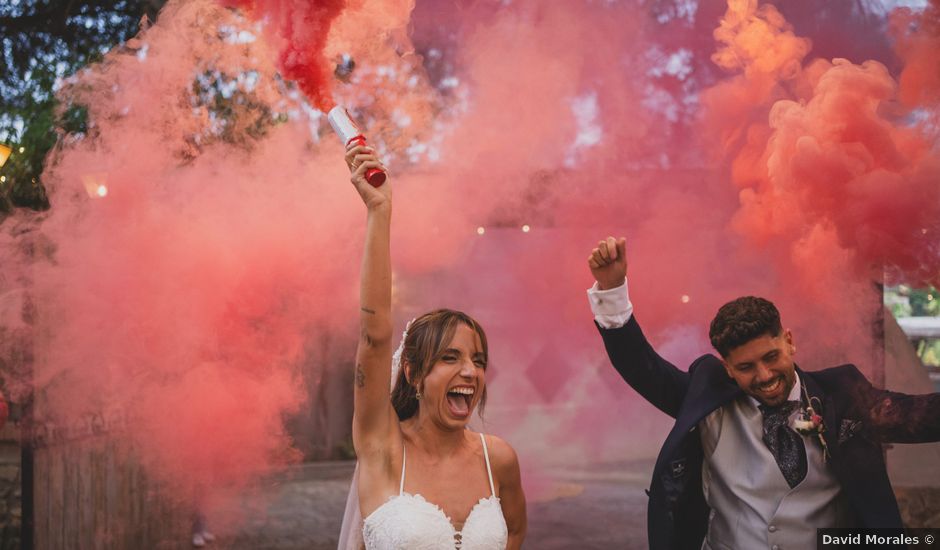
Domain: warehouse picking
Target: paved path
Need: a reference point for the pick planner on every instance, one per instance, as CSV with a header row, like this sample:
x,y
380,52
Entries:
x,y
599,508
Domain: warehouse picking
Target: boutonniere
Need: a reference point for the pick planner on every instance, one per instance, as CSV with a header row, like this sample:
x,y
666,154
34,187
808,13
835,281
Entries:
x,y
810,423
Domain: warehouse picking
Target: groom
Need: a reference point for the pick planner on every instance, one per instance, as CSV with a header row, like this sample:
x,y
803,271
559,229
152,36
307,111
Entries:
x,y
733,472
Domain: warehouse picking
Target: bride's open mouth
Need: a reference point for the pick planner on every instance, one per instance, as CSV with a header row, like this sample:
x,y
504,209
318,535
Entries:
x,y
459,399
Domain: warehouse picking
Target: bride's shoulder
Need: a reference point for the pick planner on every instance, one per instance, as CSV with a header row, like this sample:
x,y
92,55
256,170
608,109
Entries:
x,y
502,456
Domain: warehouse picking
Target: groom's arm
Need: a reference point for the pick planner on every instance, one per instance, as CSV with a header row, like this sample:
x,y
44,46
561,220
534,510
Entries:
x,y
893,417
634,358
656,379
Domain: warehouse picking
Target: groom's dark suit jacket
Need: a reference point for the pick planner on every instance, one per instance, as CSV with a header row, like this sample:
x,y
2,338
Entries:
x,y
857,418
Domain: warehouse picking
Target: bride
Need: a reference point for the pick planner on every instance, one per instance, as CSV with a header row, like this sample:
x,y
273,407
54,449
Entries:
x,y
424,480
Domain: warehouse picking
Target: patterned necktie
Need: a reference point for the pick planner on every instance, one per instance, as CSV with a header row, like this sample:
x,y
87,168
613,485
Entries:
x,y
785,444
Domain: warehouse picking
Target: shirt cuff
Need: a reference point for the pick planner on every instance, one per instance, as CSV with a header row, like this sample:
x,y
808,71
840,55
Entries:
x,y
611,307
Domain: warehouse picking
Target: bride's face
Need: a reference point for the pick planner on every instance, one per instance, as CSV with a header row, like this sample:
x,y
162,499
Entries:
x,y
454,386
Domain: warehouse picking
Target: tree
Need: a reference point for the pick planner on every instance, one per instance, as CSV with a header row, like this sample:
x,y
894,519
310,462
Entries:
x,y
44,41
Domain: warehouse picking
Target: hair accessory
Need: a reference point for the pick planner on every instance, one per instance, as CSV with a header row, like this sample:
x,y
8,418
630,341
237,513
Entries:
x,y
396,357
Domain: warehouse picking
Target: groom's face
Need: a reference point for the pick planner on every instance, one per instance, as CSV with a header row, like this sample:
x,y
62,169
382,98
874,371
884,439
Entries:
x,y
763,367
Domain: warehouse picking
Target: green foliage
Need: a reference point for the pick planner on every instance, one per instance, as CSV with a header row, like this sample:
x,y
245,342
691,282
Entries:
x,y
74,120
929,352
924,302
42,42
905,301
235,111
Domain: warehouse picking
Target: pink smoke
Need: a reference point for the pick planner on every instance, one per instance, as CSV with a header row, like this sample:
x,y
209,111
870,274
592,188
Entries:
x,y
188,277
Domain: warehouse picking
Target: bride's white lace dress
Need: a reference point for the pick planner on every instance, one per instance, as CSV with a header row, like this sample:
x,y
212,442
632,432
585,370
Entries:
x,y
409,522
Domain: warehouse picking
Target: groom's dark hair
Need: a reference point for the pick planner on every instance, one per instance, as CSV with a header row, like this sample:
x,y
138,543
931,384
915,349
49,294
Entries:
x,y
742,320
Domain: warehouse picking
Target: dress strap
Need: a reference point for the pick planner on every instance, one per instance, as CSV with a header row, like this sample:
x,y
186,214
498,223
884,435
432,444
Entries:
x,y
401,486
489,471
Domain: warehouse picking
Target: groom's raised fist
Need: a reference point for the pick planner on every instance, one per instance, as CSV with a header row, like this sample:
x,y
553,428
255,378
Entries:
x,y
608,262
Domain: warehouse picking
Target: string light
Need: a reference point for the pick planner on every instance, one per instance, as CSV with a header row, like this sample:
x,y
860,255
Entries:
x,y
481,230
685,298
95,184
3,179
525,228
22,149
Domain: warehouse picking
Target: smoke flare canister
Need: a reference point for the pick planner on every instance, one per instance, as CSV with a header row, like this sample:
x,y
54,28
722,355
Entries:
x,y
347,131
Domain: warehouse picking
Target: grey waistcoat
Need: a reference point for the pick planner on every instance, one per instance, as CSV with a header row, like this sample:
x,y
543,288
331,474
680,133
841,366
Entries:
x,y
752,507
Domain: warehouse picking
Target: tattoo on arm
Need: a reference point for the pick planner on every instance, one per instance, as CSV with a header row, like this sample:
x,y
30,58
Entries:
x,y
364,334
367,310
360,376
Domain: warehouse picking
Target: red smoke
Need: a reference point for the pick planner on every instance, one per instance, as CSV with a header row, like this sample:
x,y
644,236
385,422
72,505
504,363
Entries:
x,y
300,28
824,154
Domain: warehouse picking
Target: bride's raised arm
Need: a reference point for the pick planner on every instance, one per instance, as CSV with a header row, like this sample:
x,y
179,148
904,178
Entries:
x,y
373,416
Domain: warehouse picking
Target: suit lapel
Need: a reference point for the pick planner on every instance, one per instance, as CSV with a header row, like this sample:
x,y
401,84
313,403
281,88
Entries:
x,y
818,398
709,389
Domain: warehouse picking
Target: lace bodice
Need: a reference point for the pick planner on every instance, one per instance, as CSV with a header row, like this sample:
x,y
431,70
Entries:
x,y
410,522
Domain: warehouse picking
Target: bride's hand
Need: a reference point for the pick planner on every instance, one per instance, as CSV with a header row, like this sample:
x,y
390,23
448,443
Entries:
x,y
361,159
